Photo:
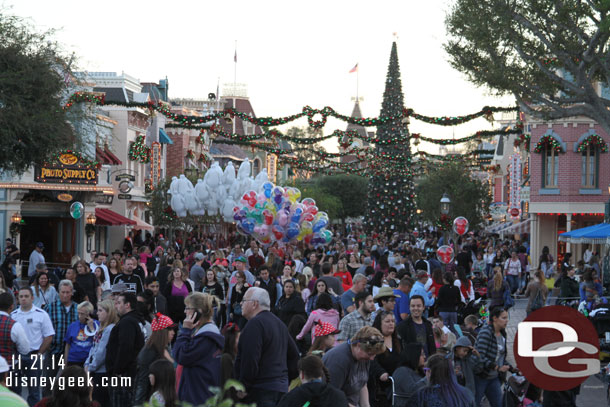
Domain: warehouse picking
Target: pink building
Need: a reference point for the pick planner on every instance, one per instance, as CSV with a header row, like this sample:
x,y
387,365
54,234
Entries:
x,y
569,179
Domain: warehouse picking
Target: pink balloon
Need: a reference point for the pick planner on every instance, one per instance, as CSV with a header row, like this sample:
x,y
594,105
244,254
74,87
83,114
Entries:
x,y
282,218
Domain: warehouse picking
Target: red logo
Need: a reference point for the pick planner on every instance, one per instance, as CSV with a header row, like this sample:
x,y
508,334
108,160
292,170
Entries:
x,y
514,212
445,254
556,348
460,225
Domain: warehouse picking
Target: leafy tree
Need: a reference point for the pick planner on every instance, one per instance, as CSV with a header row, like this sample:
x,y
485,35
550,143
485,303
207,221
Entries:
x,y
349,189
469,197
32,121
306,154
549,54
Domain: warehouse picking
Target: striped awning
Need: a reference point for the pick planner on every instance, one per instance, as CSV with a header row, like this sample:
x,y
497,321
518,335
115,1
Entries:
x,y
495,228
517,228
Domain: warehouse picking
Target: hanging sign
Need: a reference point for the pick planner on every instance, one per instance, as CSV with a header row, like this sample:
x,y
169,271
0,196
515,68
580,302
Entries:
x,y
515,186
67,169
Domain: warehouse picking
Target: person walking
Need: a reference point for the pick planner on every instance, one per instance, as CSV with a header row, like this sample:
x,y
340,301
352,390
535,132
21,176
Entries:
x,y
416,328
409,376
497,289
35,257
125,342
449,297
267,356
513,271
536,292
96,360
324,312
492,347
442,388
198,349
361,317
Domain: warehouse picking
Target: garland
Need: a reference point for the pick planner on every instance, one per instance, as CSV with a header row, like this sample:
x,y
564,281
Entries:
x,y
478,136
523,138
139,151
190,154
83,161
594,141
548,141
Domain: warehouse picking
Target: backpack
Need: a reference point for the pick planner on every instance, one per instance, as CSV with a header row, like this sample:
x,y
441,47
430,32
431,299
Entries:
x,y
537,304
508,299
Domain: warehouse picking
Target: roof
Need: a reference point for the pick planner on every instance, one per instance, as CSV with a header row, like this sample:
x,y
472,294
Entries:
x,y
227,150
243,106
114,94
356,113
500,147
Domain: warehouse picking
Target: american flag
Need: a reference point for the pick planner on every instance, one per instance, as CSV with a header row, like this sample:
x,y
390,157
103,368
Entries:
x,y
354,69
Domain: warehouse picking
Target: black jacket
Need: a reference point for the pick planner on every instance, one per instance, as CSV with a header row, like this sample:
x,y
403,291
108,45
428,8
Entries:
x,y
175,303
289,307
448,298
318,394
125,342
406,332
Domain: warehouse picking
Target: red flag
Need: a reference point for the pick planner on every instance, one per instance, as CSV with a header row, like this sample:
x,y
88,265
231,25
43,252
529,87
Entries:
x,y
354,69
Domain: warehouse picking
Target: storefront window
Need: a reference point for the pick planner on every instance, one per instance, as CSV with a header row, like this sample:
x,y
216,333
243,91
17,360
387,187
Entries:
x,y
550,168
590,164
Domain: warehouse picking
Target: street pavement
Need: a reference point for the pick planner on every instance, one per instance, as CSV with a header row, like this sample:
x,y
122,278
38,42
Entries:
x,y
592,393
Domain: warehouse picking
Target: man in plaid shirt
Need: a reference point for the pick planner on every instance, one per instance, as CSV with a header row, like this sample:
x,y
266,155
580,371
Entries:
x,y
359,318
62,313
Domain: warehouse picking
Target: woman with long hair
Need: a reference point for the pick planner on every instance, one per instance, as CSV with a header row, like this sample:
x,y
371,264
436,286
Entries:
x,y
465,285
377,282
220,259
155,348
447,301
324,311
496,289
536,292
237,294
290,303
354,264
384,364
101,279
231,334
176,290
44,293
437,281
343,274
162,380
492,347
383,264
409,377
212,286
287,274
479,266
443,388
114,269
87,280
319,288
96,361
489,258
73,396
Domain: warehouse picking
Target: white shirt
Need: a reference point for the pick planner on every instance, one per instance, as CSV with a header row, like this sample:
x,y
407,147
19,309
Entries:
x,y
35,258
250,253
37,325
19,337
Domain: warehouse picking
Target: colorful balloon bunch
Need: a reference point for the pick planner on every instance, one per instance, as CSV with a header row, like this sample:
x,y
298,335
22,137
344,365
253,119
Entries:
x,y
275,214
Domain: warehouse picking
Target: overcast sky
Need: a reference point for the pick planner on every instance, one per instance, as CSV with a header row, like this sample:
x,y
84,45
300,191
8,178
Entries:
x,y
289,53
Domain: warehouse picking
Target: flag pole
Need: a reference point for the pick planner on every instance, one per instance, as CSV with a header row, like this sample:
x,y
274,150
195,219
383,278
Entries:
x,y
357,82
234,80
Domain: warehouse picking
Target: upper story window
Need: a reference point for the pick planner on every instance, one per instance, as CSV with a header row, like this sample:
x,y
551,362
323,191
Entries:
x,y
590,145
550,168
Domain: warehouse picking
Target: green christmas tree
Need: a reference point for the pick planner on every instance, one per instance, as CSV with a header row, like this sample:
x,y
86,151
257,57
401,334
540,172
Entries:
x,y
391,193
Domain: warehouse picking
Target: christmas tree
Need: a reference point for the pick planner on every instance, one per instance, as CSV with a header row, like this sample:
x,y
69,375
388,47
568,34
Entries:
x,y
391,196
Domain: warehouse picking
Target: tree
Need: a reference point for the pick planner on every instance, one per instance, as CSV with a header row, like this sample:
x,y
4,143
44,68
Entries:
x,y
32,122
550,54
305,154
349,189
469,197
325,201
390,198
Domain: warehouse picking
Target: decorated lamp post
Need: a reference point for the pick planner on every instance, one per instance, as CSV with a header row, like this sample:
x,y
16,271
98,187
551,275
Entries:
x,y
90,230
445,208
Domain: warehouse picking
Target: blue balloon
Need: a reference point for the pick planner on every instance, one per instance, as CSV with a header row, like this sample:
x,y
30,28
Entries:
x,y
268,187
248,226
293,230
319,225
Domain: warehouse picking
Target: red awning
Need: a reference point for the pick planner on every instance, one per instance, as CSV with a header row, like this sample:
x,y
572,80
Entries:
x,y
115,160
101,156
106,217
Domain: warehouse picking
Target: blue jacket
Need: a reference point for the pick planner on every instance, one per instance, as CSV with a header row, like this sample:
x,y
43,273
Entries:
x,y
420,289
200,357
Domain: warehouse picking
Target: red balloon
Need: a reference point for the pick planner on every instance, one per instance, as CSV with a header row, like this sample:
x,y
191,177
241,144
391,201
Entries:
x,y
460,225
445,254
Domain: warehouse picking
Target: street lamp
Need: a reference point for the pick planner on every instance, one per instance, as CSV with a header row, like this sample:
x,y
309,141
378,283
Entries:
x,y
90,229
15,227
607,214
445,204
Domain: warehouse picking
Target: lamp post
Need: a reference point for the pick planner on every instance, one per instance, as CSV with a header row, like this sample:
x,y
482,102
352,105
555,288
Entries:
x,y
90,230
607,212
445,207
15,227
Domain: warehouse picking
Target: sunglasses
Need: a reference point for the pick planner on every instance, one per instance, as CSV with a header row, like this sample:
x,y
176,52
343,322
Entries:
x,y
372,341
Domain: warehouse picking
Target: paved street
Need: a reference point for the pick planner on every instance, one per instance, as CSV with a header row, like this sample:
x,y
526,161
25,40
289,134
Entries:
x,y
592,392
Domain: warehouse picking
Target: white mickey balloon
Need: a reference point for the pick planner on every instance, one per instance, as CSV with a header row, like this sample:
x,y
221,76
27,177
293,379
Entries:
x,y
178,205
191,202
201,191
228,176
227,209
173,187
260,179
244,169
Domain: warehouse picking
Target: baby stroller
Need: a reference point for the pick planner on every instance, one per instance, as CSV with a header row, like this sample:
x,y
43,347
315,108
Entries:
x,y
600,318
472,308
515,391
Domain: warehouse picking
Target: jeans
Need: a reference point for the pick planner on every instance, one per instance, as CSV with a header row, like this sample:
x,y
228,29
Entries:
x,y
513,282
29,370
489,388
449,320
50,370
263,398
100,394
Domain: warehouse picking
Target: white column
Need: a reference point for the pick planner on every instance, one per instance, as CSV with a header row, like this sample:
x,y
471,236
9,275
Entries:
x,y
534,243
568,229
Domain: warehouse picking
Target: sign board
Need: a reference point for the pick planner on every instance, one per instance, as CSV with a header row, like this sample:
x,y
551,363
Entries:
x,y
125,177
155,164
64,197
515,185
124,196
514,212
67,169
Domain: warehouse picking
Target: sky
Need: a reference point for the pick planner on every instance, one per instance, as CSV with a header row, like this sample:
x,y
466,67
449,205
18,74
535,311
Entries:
x,y
290,54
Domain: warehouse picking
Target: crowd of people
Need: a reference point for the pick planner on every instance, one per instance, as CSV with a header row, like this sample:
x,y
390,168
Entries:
x,y
369,320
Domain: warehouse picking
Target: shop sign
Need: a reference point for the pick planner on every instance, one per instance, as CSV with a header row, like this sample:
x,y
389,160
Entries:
x,y
125,177
64,197
124,196
68,169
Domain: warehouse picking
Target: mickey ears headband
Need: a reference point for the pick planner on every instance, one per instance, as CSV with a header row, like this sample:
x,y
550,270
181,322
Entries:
x,y
372,341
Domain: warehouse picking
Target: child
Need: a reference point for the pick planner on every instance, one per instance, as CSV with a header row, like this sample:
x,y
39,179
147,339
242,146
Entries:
x,y
464,360
163,383
470,328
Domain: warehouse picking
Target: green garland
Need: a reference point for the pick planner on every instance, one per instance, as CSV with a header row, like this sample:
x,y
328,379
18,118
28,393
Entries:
x,y
593,140
548,141
139,151
83,161
487,111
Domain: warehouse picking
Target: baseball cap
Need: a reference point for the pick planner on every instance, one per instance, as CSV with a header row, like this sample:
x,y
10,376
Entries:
x,y
199,256
119,288
242,259
40,245
325,328
161,322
